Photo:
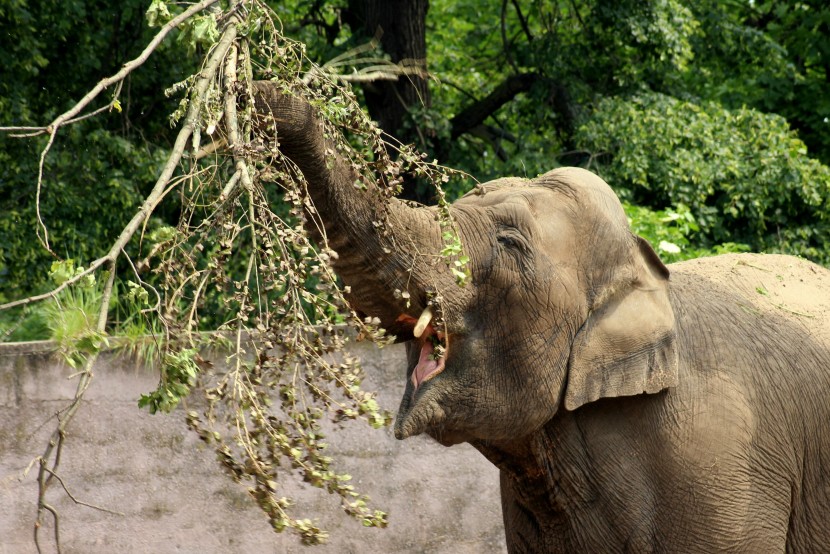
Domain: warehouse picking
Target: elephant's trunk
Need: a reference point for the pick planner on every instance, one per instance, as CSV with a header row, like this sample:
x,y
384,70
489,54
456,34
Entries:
x,y
382,244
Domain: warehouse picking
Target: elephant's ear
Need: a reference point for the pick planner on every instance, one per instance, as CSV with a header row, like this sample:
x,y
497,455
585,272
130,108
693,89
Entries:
x,y
627,345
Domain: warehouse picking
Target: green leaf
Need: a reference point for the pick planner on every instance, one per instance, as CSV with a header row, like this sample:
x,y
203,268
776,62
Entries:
x,y
157,15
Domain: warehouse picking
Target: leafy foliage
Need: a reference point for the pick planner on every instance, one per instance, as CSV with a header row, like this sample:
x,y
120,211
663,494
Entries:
x,y
671,104
70,316
674,233
179,373
743,174
771,56
100,169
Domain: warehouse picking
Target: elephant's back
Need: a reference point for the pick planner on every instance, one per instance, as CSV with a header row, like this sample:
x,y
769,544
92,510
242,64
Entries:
x,y
754,333
766,285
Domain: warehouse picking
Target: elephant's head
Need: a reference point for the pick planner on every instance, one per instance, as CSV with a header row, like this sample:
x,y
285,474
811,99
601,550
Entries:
x,y
564,303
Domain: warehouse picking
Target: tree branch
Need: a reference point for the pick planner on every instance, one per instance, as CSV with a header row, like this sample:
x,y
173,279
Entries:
x,y
192,121
476,113
54,292
128,67
233,121
504,42
380,70
36,131
523,21
80,502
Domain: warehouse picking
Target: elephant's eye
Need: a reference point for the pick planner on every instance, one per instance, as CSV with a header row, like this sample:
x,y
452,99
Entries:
x,y
512,239
507,241
513,251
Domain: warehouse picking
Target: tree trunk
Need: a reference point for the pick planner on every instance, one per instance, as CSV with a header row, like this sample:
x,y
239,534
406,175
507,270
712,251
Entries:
x,y
401,26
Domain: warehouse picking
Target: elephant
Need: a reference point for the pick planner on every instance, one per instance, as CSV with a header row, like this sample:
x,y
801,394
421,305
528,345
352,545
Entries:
x,y
629,406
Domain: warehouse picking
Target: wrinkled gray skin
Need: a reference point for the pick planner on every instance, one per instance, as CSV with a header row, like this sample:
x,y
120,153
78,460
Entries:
x,y
628,411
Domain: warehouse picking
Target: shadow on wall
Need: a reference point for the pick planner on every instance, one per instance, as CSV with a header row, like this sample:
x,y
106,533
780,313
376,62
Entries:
x,y
174,496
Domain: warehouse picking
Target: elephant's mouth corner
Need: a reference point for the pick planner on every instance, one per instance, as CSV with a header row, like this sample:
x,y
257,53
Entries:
x,y
431,360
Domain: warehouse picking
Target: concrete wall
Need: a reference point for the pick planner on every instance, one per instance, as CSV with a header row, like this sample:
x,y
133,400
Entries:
x,y
176,499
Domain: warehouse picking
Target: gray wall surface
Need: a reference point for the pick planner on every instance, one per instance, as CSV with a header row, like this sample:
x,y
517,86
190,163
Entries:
x,y
176,499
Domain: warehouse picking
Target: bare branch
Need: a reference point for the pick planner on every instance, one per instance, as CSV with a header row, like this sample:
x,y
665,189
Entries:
x,y
80,502
380,70
41,130
45,473
384,75
477,112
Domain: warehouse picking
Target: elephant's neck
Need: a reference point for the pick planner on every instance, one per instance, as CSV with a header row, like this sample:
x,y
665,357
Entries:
x,y
545,469
550,491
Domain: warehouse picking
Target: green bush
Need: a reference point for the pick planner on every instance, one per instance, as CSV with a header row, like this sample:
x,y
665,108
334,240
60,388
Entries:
x,y
744,175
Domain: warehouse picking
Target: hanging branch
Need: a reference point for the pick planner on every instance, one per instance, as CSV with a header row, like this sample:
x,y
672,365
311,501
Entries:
x,y
50,459
262,412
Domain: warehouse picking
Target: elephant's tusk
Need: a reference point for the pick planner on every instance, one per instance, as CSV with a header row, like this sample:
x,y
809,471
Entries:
x,y
423,321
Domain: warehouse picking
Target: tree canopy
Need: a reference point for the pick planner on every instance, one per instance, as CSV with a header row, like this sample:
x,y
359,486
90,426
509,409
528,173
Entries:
x,y
716,110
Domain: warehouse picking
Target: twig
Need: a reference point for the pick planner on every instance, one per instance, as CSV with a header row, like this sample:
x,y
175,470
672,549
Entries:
x,y
786,309
141,283
209,149
80,502
758,267
40,130
54,292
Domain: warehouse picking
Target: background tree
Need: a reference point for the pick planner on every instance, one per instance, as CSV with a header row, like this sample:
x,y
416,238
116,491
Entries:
x,y
101,168
514,88
574,68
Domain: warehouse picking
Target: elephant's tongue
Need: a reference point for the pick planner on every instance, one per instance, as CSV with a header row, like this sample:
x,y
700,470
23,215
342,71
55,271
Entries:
x,y
427,367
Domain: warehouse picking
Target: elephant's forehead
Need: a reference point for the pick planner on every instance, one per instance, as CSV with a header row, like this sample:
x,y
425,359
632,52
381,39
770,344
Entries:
x,y
526,195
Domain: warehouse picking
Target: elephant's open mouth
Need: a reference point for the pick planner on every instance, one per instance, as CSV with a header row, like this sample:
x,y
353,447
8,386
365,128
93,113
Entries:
x,y
432,359
434,345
